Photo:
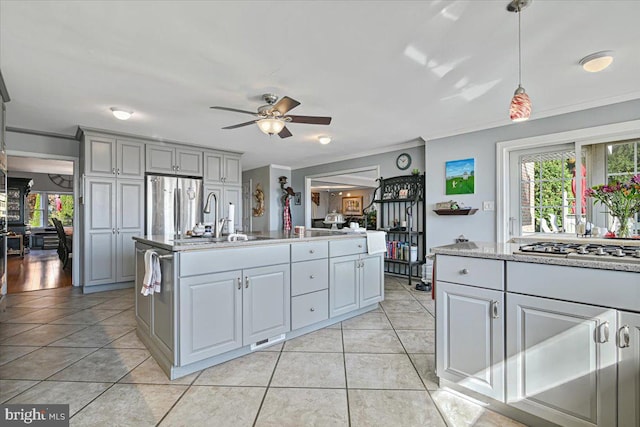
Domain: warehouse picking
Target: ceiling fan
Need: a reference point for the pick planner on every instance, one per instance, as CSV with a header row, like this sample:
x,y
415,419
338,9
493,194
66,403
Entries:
x,y
272,117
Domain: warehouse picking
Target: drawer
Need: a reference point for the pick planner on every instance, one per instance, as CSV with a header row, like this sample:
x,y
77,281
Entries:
x,y
608,288
193,263
309,309
306,251
309,276
347,247
480,272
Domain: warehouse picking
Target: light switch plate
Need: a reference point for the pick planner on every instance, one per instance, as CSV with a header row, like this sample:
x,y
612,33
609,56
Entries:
x,y
488,206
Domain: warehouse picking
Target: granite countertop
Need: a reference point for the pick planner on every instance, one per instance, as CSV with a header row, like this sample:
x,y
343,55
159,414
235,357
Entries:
x,y
255,239
504,251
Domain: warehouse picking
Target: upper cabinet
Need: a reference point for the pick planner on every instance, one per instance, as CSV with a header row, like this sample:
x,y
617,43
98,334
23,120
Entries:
x,y
170,159
222,168
110,157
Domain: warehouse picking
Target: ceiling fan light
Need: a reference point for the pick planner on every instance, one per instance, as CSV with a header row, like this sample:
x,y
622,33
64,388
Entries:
x,y
121,114
271,126
520,108
597,61
324,140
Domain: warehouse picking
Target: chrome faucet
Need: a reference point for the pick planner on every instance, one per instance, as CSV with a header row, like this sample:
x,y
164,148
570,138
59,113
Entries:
x,y
217,225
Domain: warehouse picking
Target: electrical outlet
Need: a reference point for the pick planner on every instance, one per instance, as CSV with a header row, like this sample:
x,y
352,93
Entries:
x,y
488,206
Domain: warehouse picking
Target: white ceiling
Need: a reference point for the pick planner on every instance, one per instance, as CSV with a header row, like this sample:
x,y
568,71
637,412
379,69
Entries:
x,y
388,72
37,165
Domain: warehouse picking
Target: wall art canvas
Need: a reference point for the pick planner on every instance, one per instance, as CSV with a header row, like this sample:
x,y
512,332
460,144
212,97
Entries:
x,y
460,176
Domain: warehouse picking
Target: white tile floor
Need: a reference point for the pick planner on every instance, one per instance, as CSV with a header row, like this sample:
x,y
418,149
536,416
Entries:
x,y
59,346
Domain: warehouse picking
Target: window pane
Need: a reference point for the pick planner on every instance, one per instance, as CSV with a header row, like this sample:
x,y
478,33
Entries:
x,y
620,158
61,208
36,214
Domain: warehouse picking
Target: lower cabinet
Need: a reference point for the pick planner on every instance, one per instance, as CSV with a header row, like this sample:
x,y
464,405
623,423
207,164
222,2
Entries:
x,y
470,337
562,361
354,281
224,311
628,339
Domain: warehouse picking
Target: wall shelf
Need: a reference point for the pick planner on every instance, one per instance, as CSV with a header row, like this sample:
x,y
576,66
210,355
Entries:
x,y
455,211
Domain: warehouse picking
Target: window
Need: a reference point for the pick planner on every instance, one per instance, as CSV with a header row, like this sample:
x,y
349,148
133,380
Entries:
x,y
623,162
44,206
547,191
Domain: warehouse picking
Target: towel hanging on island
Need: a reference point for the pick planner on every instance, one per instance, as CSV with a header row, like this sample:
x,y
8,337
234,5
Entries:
x,y
152,275
376,242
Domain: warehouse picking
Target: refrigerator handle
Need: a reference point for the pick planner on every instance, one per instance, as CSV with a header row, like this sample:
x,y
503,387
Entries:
x,y
176,213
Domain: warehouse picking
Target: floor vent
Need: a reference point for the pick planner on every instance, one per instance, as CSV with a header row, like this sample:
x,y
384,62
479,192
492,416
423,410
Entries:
x,y
266,343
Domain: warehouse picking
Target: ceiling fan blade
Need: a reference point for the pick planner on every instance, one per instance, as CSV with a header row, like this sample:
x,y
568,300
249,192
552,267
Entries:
x,y
312,120
284,133
285,104
235,110
240,125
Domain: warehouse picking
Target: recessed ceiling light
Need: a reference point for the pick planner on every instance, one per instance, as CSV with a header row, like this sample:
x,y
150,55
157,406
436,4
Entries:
x,y
597,61
324,140
121,114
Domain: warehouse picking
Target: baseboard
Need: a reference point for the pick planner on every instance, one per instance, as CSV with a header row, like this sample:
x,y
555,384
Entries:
x,y
106,287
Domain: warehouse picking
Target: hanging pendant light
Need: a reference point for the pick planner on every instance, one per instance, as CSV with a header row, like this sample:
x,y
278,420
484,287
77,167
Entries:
x,y
520,108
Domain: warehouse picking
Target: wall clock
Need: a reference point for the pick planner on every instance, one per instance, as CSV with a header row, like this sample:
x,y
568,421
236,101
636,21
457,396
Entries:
x,y
61,180
403,161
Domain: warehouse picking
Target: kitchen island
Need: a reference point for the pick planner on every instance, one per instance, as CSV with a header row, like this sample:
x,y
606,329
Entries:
x,y
543,338
220,300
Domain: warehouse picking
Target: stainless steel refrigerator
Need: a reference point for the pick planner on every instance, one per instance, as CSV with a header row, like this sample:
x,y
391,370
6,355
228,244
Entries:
x,y
173,205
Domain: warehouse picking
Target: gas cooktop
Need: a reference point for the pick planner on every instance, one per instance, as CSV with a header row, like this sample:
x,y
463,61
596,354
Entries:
x,y
586,251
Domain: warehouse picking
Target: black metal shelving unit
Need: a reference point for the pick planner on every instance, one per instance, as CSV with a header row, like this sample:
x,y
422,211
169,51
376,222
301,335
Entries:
x,y
401,198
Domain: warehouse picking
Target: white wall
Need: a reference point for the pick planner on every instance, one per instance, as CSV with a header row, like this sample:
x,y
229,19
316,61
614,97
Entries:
x,y
29,143
481,145
386,162
259,176
276,209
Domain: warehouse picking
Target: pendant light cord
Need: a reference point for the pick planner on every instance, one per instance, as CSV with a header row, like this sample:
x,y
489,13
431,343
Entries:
x,y
519,48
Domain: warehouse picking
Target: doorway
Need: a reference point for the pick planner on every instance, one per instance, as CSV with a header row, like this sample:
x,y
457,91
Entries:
x,y
328,192
43,224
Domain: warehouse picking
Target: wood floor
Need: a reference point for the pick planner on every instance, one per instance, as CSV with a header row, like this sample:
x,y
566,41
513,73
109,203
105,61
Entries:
x,y
39,269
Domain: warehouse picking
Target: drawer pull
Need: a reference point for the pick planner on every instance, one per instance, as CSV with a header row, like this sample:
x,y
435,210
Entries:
x,y
623,337
311,251
360,246
603,333
464,271
312,277
312,309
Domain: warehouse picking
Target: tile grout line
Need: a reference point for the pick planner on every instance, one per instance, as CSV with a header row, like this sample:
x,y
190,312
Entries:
x,y
346,380
266,390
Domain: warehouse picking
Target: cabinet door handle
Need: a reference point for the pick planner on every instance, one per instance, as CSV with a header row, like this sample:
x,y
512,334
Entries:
x,y
464,271
239,283
603,332
246,282
118,171
623,337
113,171
113,231
312,309
118,230
495,310
312,277
177,168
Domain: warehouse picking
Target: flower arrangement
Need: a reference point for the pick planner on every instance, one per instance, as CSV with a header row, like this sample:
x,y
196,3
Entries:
x,y
621,198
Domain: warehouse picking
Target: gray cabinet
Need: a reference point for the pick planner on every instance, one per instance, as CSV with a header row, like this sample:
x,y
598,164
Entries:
x,y
168,159
561,360
210,315
113,214
225,195
110,157
222,168
355,281
266,303
628,340
223,311
470,337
